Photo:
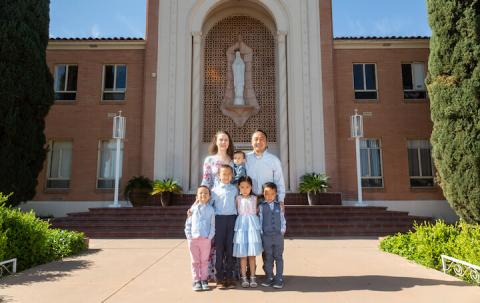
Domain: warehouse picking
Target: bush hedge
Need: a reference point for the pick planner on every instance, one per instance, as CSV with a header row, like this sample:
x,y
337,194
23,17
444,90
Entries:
x,y
31,241
26,95
428,241
454,90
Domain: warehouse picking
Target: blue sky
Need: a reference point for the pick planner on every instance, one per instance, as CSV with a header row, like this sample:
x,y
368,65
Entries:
x,y
126,18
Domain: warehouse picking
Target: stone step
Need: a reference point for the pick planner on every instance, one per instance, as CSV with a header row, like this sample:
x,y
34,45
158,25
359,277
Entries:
x,y
109,233
182,209
291,219
148,232
290,199
290,225
289,214
142,234
296,220
302,221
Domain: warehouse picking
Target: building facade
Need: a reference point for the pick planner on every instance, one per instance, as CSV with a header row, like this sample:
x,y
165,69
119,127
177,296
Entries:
x,y
173,86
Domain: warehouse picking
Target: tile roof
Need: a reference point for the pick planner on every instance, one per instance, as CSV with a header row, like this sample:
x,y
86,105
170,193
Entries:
x,y
336,38
382,38
96,39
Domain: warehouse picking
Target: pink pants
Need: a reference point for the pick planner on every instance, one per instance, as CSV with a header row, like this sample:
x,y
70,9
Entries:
x,y
199,253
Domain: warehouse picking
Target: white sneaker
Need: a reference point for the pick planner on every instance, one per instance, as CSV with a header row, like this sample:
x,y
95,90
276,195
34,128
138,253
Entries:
x,y
253,282
197,286
245,283
267,282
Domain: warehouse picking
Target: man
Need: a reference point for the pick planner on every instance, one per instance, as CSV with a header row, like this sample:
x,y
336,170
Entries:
x,y
264,167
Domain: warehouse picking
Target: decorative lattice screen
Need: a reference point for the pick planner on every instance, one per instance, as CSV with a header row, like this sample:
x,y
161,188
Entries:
x,y
217,41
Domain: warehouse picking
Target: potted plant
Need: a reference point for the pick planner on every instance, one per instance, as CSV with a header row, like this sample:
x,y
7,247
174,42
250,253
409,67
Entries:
x,y
313,185
138,190
165,188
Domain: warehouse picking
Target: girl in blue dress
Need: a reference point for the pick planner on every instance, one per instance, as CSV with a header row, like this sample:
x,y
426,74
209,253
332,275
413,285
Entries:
x,y
247,242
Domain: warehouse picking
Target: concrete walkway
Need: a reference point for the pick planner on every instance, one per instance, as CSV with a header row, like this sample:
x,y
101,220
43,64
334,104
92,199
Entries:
x,y
316,270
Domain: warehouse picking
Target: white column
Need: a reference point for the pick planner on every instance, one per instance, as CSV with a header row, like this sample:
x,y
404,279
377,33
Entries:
x,y
117,174
359,173
282,103
195,133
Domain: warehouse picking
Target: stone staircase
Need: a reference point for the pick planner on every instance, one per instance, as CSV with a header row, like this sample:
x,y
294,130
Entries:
x,y
302,221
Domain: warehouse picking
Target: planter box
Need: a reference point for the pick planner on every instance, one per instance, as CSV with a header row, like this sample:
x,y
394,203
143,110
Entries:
x,y
169,199
324,199
141,197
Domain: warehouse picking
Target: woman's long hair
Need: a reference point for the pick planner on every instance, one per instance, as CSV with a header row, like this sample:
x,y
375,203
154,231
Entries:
x,y
213,148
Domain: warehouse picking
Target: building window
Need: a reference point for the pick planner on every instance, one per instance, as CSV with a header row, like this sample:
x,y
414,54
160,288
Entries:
x,y
365,81
65,82
59,164
114,81
371,163
413,77
106,163
420,163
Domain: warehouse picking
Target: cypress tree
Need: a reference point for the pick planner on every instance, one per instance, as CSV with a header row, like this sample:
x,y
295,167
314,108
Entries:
x,y
26,94
454,87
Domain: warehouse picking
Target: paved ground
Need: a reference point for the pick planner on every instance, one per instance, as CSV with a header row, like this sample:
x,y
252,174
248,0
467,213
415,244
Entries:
x,y
317,270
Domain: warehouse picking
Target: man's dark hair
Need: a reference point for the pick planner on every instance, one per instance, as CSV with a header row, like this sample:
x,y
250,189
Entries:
x,y
258,130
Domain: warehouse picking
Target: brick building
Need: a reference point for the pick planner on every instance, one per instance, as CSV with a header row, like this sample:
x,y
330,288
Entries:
x,y
171,85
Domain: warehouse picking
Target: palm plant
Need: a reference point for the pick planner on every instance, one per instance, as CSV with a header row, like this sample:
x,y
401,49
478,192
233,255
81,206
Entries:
x,y
165,188
166,185
313,183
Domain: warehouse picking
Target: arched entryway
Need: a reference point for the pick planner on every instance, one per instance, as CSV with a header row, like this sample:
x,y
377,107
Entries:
x,y
223,22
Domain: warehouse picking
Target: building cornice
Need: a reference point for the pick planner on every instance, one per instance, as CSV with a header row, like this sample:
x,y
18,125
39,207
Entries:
x,y
380,43
95,44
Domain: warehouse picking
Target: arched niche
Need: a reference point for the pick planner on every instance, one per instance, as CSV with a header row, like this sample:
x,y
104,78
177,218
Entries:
x,y
204,8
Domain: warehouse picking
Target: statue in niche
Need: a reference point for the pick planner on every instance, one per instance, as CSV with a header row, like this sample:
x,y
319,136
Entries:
x,y
239,102
238,68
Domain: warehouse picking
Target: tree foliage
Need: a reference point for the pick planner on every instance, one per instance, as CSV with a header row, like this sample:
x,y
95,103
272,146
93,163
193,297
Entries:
x,y
26,94
454,89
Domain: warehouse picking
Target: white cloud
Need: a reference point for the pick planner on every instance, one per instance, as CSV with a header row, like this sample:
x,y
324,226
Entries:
x,y
389,27
133,29
63,33
95,31
383,27
356,28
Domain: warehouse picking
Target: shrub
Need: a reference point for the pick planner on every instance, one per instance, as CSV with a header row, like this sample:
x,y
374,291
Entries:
x,y
139,182
3,235
3,245
31,241
428,242
62,243
26,95
26,237
454,89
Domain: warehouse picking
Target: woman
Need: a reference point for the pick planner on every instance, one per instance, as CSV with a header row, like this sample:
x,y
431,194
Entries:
x,y
221,152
